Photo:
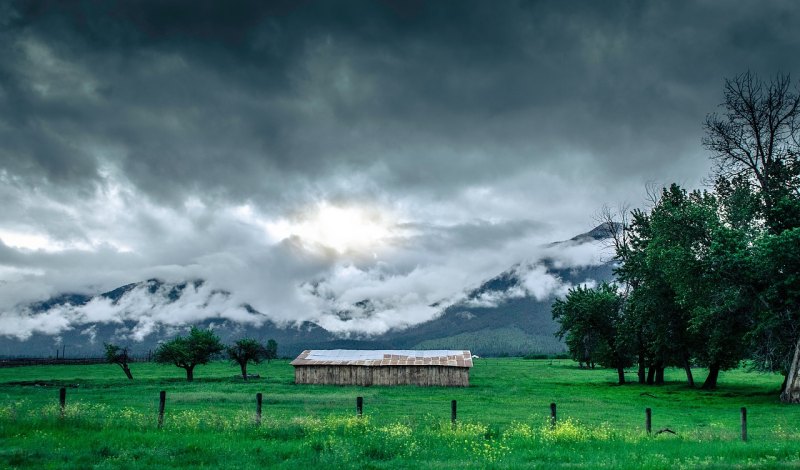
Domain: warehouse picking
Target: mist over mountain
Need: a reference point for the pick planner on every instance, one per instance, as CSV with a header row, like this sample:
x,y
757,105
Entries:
x,y
506,314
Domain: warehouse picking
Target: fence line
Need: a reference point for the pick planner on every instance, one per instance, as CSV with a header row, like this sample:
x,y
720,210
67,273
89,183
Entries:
x,y
49,361
162,398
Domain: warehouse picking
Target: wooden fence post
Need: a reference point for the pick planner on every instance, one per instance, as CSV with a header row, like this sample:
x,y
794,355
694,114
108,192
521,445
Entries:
x,y
552,415
258,408
648,420
162,400
744,423
453,412
359,406
62,400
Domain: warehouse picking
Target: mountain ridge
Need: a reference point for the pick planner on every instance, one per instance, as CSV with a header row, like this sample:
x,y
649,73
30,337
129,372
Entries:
x,y
508,313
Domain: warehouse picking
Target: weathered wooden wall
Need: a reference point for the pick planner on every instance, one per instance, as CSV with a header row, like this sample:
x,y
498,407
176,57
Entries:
x,y
425,376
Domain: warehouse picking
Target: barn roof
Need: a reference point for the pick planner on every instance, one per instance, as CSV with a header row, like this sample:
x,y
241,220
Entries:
x,y
389,357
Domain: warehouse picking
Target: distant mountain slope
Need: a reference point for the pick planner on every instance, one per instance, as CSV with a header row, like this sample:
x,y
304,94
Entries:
x,y
89,338
88,342
601,232
513,324
509,340
509,313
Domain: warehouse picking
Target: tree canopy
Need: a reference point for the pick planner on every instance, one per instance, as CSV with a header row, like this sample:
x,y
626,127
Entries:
x,y
187,352
590,320
247,350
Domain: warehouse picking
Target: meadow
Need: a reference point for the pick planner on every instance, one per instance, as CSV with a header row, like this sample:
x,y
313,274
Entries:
x,y
503,420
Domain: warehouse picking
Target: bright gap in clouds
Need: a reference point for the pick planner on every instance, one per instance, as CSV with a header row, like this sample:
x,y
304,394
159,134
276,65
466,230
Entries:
x,y
29,241
32,241
345,229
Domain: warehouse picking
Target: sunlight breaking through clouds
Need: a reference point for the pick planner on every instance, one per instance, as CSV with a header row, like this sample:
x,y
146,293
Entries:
x,y
345,229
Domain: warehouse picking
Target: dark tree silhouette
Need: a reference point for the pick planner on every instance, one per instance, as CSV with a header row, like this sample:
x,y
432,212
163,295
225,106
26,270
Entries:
x,y
118,355
244,351
757,138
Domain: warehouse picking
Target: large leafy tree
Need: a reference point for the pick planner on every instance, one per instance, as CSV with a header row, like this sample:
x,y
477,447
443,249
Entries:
x,y
590,321
189,351
776,332
655,324
245,351
683,266
706,272
628,249
756,143
697,254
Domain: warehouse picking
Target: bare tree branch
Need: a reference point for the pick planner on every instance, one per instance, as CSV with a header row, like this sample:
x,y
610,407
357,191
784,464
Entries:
x,y
758,134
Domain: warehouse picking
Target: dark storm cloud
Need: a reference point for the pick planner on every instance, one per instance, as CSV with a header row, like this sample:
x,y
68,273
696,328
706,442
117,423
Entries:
x,y
473,235
231,100
165,138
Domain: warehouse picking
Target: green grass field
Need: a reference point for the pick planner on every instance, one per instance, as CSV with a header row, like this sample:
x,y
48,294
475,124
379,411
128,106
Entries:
x,y
112,423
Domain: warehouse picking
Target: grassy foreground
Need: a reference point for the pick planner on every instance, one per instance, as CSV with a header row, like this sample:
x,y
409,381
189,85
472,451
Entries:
x,y
502,420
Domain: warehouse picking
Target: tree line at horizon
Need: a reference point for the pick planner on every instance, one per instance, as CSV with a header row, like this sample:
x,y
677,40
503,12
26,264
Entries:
x,y
707,277
198,348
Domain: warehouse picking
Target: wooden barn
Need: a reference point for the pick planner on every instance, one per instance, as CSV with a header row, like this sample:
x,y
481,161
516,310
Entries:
x,y
383,367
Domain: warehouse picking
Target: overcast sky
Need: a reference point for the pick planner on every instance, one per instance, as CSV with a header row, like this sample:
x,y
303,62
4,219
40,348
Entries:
x,y
308,155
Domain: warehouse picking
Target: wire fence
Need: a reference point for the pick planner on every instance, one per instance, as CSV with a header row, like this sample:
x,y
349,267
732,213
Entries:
x,y
49,361
553,420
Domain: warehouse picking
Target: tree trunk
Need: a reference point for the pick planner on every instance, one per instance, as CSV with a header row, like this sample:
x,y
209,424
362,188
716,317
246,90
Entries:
x,y
190,374
688,367
125,369
711,380
660,375
642,371
651,374
791,389
621,375
243,365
